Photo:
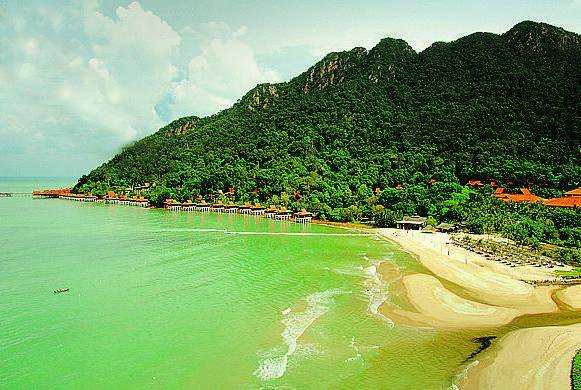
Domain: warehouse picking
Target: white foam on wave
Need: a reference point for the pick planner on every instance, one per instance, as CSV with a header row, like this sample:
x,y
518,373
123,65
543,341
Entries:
x,y
377,292
462,375
275,361
357,355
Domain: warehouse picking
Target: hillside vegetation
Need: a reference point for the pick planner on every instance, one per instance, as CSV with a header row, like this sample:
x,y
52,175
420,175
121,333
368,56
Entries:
x,y
486,106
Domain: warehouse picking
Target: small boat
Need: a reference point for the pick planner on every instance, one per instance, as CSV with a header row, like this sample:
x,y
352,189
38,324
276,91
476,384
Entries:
x,y
60,290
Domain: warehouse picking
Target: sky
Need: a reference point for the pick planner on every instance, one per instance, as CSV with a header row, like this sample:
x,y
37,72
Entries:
x,y
80,79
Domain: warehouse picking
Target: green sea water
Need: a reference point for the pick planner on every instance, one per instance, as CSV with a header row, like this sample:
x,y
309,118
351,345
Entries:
x,y
188,300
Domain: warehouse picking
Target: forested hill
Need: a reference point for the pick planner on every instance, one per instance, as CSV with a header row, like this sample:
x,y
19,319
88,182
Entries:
x,y
486,106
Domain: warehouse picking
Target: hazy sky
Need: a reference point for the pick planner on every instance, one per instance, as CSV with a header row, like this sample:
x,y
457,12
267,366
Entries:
x,y
80,79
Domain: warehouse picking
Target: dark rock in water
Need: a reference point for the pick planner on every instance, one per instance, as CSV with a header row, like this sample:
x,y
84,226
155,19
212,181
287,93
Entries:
x,y
484,343
62,290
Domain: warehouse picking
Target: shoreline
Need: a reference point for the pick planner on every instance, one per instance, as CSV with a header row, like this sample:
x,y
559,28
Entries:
x,y
532,358
479,294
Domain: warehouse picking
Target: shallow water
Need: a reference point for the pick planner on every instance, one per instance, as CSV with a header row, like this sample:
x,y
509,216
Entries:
x,y
177,300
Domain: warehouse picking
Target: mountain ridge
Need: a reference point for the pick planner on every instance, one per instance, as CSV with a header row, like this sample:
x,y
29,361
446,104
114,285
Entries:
x,y
360,119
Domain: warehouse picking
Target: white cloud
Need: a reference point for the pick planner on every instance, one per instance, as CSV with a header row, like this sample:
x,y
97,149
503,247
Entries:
x,y
225,69
81,83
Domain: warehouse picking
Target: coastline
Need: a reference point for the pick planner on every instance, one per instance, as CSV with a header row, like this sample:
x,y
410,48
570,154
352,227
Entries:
x,y
488,296
534,358
480,280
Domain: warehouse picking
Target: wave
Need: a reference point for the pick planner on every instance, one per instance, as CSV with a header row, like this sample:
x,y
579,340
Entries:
x,y
275,361
357,355
377,292
462,375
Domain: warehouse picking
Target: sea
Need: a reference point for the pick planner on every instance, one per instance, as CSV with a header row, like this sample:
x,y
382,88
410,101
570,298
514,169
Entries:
x,y
161,299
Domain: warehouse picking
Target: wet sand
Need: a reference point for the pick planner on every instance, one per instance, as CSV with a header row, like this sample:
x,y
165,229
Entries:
x,y
440,308
535,358
481,283
570,296
468,291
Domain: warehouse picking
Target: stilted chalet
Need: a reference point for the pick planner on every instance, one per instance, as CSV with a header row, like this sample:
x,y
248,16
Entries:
x,y
245,208
172,205
570,199
51,193
230,207
79,197
303,216
524,197
257,209
271,211
283,214
188,206
202,206
218,207
415,222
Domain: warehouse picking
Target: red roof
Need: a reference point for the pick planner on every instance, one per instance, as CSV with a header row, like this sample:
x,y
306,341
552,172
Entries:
x,y
566,201
524,197
576,192
474,183
498,191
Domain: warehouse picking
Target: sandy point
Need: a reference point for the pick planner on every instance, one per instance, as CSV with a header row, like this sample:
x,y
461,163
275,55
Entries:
x,y
534,358
440,308
570,296
482,283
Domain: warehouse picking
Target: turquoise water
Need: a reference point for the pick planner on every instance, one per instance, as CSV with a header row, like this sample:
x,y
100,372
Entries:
x,y
187,300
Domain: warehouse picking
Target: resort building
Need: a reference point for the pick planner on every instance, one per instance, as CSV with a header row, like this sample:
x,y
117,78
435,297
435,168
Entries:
x,y
446,227
283,214
202,206
245,208
78,197
570,199
230,207
218,206
525,196
51,193
415,222
303,216
257,209
188,206
271,211
172,205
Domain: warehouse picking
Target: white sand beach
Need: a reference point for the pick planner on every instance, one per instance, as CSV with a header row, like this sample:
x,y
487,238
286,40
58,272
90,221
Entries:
x,y
534,358
570,296
440,308
482,280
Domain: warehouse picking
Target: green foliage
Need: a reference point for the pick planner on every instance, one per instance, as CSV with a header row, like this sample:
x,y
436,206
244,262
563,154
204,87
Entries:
x,y
483,107
386,218
576,371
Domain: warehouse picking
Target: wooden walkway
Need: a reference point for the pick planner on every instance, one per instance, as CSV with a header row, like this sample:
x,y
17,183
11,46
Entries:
x,y
14,194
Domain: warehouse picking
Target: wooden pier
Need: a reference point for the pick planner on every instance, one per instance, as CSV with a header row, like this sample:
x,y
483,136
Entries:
x,y
15,194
